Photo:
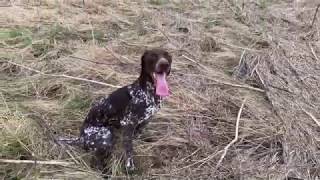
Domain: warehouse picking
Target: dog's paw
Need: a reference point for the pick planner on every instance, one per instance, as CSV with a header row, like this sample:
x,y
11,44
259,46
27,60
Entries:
x,y
130,167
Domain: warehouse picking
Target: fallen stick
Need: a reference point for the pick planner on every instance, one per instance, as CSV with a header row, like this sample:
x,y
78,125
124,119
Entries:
x,y
197,63
235,137
315,16
241,58
51,162
87,60
313,52
312,117
219,82
205,160
63,75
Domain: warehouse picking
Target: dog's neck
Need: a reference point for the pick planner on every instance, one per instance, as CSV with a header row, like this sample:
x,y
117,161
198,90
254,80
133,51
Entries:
x,y
150,86
145,81
146,85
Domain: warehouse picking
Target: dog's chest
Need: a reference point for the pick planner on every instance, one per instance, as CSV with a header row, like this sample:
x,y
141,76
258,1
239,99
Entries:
x,y
143,105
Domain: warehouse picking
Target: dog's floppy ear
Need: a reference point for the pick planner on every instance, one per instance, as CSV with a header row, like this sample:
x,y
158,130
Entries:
x,y
143,62
144,72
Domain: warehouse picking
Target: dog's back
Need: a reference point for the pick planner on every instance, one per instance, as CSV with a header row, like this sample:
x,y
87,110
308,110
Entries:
x,y
108,111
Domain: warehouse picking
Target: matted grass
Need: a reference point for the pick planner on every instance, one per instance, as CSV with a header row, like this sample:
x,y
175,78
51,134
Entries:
x,y
53,53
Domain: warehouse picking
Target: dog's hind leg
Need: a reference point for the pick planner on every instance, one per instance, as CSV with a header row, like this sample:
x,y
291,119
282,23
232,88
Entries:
x,y
100,141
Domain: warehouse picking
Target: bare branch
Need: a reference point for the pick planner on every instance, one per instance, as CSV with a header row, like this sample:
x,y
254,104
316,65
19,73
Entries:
x,y
313,52
315,16
235,137
312,117
63,75
52,162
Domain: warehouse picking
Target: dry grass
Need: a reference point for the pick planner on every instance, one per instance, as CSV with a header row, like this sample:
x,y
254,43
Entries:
x,y
53,53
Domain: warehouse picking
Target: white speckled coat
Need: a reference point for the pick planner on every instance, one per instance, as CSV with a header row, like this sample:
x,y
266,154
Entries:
x,y
105,117
143,105
128,108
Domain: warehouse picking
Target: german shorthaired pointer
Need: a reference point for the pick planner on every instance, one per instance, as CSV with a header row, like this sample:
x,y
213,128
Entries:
x,y
128,108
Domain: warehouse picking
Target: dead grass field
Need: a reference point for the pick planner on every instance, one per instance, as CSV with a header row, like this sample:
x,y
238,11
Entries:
x,y
58,56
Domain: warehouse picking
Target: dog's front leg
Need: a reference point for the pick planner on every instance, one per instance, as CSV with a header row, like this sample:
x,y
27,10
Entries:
x,y
139,128
128,131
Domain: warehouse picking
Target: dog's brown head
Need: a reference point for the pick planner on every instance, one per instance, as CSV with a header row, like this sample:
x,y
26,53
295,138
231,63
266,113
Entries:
x,y
155,67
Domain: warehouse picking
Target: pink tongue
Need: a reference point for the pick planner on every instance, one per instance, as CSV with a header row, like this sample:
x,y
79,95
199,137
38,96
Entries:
x,y
162,88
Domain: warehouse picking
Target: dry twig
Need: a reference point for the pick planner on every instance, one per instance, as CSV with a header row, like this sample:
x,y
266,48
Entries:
x,y
241,58
204,160
235,137
199,64
315,16
219,82
312,117
87,60
63,75
52,162
117,56
313,52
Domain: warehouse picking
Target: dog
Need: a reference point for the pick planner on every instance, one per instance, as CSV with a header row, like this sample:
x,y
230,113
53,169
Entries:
x,y
129,108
